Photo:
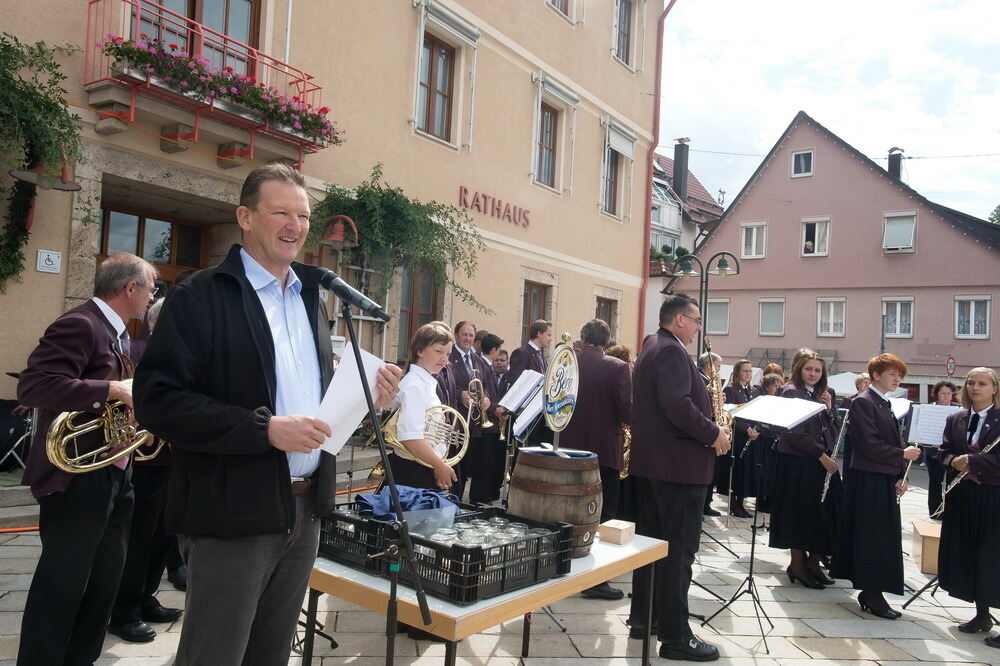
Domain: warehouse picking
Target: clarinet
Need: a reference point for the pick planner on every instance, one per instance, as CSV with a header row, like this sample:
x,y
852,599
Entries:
x,y
841,434
958,479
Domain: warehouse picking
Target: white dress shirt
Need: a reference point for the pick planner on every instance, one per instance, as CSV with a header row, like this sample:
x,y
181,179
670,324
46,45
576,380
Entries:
x,y
296,364
417,392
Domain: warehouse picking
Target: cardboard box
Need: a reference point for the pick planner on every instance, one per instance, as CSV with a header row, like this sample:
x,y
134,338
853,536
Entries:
x,y
926,542
616,531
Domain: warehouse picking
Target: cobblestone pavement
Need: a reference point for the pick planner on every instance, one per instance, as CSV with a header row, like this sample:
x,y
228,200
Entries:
x,y
814,627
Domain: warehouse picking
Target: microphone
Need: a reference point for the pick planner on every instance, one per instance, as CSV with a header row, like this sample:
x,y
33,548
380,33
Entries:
x,y
348,294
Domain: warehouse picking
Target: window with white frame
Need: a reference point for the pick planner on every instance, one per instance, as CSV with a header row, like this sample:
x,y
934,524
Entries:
x,y
830,317
772,316
815,236
555,128
972,317
616,169
561,6
657,214
754,235
802,163
624,30
897,316
717,316
663,241
899,234
442,66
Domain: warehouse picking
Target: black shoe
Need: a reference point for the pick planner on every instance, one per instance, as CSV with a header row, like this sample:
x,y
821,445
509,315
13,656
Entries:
x,y
157,612
821,577
179,577
638,633
603,591
739,511
806,580
709,511
133,632
976,624
992,641
885,613
825,561
692,649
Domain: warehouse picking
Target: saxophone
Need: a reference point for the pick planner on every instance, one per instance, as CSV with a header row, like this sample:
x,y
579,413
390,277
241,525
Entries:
x,y
627,447
722,418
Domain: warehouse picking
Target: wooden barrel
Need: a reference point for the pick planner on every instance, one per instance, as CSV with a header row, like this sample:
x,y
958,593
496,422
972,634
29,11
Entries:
x,y
551,488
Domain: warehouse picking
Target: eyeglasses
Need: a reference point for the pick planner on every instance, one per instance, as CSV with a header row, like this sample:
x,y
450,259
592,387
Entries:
x,y
696,320
153,289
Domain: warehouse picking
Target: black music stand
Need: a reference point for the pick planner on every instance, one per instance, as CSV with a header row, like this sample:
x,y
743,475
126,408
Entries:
x,y
749,586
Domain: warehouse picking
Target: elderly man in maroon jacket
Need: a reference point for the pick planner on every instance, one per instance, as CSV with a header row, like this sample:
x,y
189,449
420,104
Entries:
x,y
674,444
603,405
84,518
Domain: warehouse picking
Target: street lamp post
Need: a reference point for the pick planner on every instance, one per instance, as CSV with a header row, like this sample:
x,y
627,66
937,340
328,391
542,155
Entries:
x,y
722,267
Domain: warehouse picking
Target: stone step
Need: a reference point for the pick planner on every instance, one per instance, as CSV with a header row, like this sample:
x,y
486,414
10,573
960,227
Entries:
x,y
16,496
19,516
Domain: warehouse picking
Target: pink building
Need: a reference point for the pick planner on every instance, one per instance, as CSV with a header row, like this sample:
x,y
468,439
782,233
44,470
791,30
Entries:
x,y
833,247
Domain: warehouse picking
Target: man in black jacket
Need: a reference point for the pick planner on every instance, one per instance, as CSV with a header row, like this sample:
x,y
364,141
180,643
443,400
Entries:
x,y
237,366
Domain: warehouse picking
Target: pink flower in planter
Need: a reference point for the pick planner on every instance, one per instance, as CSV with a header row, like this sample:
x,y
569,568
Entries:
x,y
233,90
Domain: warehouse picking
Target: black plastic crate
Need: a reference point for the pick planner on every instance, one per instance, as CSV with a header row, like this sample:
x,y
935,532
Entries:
x,y
461,574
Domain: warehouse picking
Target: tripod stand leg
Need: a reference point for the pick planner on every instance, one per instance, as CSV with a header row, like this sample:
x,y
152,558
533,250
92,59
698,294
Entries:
x,y
722,545
714,594
307,645
931,582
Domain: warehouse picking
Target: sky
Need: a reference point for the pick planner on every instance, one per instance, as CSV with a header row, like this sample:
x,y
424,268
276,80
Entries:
x,y
923,75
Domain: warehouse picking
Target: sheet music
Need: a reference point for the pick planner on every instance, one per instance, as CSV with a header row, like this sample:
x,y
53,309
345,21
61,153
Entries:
x,y
343,404
531,411
900,407
522,388
927,425
778,412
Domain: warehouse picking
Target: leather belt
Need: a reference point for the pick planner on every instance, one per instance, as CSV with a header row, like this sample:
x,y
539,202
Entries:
x,y
300,485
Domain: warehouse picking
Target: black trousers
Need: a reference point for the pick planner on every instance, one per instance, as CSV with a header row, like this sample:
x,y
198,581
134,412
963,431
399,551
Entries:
x,y
84,532
148,545
487,468
670,511
611,492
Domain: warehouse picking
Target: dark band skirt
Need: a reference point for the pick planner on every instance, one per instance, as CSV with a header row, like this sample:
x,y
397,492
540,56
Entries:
x,y
755,455
409,473
970,544
798,520
869,551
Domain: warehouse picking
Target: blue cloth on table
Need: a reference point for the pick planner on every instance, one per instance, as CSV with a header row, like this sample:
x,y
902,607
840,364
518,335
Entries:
x,y
411,499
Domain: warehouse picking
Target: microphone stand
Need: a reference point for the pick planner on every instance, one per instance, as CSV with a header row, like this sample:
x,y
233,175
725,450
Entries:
x,y
394,552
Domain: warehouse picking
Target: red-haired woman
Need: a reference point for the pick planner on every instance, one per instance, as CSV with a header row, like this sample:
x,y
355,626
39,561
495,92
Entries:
x,y
799,521
738,391
970,535
869,551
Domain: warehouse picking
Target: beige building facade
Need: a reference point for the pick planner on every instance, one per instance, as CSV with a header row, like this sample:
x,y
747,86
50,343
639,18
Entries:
x,y
535,116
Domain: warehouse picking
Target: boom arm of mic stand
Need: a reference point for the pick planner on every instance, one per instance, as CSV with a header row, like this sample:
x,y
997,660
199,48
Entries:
x,y
404,532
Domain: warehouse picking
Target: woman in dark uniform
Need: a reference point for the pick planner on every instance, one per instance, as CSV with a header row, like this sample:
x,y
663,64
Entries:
x,y
799,521
869,551
767,446
943,393
970,534
738,391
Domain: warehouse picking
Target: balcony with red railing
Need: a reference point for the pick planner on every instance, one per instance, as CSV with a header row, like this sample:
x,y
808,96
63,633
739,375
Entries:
x,y
145,63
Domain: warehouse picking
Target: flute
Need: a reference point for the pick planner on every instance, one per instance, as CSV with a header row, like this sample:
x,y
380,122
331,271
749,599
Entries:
x,y
902,482
836,448
958,479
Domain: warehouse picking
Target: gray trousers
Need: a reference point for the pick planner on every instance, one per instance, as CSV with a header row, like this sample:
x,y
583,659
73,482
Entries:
x,y
244,594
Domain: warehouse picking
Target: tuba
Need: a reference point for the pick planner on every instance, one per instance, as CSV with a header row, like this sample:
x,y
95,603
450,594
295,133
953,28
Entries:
x,y
442,425
119,433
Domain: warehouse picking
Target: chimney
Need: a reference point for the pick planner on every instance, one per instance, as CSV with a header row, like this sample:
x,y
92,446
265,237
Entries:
x,y
895,162
681,168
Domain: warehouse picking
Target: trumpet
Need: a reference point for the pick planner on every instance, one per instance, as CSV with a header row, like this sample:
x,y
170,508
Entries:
x,y
477,415
121,438
442,426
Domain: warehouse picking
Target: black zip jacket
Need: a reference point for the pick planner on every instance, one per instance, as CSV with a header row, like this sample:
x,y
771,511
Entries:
x,y
206,385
